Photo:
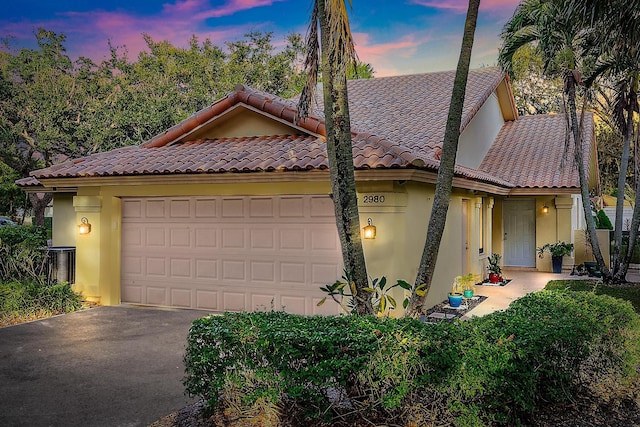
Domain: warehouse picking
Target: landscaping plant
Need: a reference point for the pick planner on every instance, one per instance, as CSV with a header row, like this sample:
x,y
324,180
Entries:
x,y
549,349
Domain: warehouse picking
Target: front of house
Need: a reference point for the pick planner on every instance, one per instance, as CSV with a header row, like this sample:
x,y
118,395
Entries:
x,y
230,209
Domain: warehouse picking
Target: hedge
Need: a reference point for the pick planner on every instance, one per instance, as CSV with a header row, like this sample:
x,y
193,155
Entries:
x,y
550,346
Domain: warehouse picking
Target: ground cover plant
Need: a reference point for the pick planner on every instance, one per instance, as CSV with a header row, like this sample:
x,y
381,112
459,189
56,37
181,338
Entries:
x,y
549,348
629,292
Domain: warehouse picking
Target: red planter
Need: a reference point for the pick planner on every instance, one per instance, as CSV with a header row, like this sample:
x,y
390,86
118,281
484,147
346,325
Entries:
x,y
494,278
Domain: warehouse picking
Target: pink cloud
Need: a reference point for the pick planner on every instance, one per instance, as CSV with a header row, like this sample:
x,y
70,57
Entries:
x,y
461,5
233,6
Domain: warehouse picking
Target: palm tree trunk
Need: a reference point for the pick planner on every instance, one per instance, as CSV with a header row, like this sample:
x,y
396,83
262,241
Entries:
x,y
442,195
622,266
340,155
570,88
618,271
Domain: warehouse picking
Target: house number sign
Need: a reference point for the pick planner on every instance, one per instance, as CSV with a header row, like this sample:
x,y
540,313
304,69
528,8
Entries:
x,y
373,198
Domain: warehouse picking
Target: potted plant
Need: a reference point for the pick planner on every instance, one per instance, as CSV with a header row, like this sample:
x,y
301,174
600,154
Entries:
x,y
557,251
468,284
495,271
455,296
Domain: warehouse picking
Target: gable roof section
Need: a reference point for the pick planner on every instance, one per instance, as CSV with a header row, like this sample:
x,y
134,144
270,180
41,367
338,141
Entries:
x,y
540,160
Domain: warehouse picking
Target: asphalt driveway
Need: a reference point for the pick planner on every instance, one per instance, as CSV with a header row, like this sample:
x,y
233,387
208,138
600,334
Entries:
x,y
107,366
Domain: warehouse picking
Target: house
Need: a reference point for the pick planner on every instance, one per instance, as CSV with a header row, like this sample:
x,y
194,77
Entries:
x,y
230,209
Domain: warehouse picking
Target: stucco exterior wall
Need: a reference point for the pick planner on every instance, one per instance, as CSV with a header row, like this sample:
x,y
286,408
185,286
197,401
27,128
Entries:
x,y
64,220
478,136
400,213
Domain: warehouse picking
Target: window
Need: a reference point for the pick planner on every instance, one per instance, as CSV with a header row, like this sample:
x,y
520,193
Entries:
x,y
482,219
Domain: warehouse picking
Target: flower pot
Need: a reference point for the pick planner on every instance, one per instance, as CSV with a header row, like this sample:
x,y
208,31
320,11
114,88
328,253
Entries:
x,y
468,293
557,263
494,278
455,300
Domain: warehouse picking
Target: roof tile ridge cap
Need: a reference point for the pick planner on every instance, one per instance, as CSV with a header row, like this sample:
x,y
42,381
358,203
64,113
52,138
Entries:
x,y
405,154
191,122
500,75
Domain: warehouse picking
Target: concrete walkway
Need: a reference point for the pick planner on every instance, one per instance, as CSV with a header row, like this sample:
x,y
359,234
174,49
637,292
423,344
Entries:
x,y
522,283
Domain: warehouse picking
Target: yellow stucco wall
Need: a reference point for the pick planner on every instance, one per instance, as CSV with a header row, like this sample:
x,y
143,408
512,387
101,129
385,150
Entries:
x,y
64,220
478,136
401,222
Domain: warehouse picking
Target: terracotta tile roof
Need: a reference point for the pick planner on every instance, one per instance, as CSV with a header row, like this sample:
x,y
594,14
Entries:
x,y
413,109
397,122
539,160
28,182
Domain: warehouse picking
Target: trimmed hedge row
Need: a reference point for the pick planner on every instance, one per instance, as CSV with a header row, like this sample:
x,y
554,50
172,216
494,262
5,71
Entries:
x,y
274,368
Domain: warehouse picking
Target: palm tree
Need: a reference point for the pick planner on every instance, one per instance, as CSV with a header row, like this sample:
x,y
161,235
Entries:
x,y
332,52
616,24
565,44
444,182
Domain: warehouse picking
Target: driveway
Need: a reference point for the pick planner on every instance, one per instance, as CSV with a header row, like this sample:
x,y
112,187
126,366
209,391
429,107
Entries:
x,y
106,366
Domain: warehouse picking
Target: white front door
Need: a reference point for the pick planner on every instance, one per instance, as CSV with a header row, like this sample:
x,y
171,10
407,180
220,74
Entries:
x,y
519,219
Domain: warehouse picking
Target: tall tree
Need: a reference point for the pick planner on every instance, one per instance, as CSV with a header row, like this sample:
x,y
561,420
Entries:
x,y
616,24
444,183
330,48
565,45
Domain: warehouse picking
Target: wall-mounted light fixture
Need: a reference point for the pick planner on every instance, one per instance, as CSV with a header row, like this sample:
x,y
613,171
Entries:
x,y
369,231
545,208
84,227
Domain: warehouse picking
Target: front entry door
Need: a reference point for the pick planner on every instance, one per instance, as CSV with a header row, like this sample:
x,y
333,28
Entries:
x,y
519,220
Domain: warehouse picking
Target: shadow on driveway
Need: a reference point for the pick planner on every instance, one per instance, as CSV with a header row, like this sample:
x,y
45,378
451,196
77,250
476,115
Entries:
x,y
106,366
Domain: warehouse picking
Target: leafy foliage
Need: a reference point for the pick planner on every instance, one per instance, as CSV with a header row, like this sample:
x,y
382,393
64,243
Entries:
x,y
23,253
549,346
342,291
603,221
629,293
20,301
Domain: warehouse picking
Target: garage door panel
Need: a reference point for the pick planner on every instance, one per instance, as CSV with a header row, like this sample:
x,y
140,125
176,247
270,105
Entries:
x,y
234,270
206,269
207,300
155,208
156,266
154,237
181,298
233,208
206,237
180,208
229,252
234,301
181,268
233,238
156,295
262,239
261,207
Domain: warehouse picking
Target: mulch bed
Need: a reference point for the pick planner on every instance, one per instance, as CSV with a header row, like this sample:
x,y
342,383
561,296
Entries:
x,y
443,312
486,282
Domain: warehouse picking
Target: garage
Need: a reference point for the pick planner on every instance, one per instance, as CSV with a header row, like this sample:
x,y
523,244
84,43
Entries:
x,y
230,253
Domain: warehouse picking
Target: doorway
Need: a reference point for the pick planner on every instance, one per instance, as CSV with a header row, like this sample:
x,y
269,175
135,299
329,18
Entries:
x,y
519,220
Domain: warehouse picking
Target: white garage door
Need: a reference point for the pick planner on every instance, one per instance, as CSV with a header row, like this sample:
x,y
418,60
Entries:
x,y
226,253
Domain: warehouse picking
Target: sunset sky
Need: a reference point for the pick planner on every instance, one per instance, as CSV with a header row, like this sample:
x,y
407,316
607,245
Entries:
x,y
395,36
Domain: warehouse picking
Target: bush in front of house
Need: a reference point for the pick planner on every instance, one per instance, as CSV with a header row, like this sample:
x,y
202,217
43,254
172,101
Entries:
x,y
548,347
22,301
23,253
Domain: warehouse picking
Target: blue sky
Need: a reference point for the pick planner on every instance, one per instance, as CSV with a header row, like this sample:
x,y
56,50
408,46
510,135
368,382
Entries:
x,y
395,36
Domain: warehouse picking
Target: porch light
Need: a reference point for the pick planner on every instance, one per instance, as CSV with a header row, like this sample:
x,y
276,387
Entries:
x,y
545,208
84,227
369,230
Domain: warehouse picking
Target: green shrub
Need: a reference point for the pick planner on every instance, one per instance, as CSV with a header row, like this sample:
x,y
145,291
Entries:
x,y
21,301
23,253
501,368
603,221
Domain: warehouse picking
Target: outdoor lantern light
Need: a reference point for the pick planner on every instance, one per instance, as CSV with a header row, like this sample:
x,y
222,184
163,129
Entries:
x,y
84,227
369,230
545,208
